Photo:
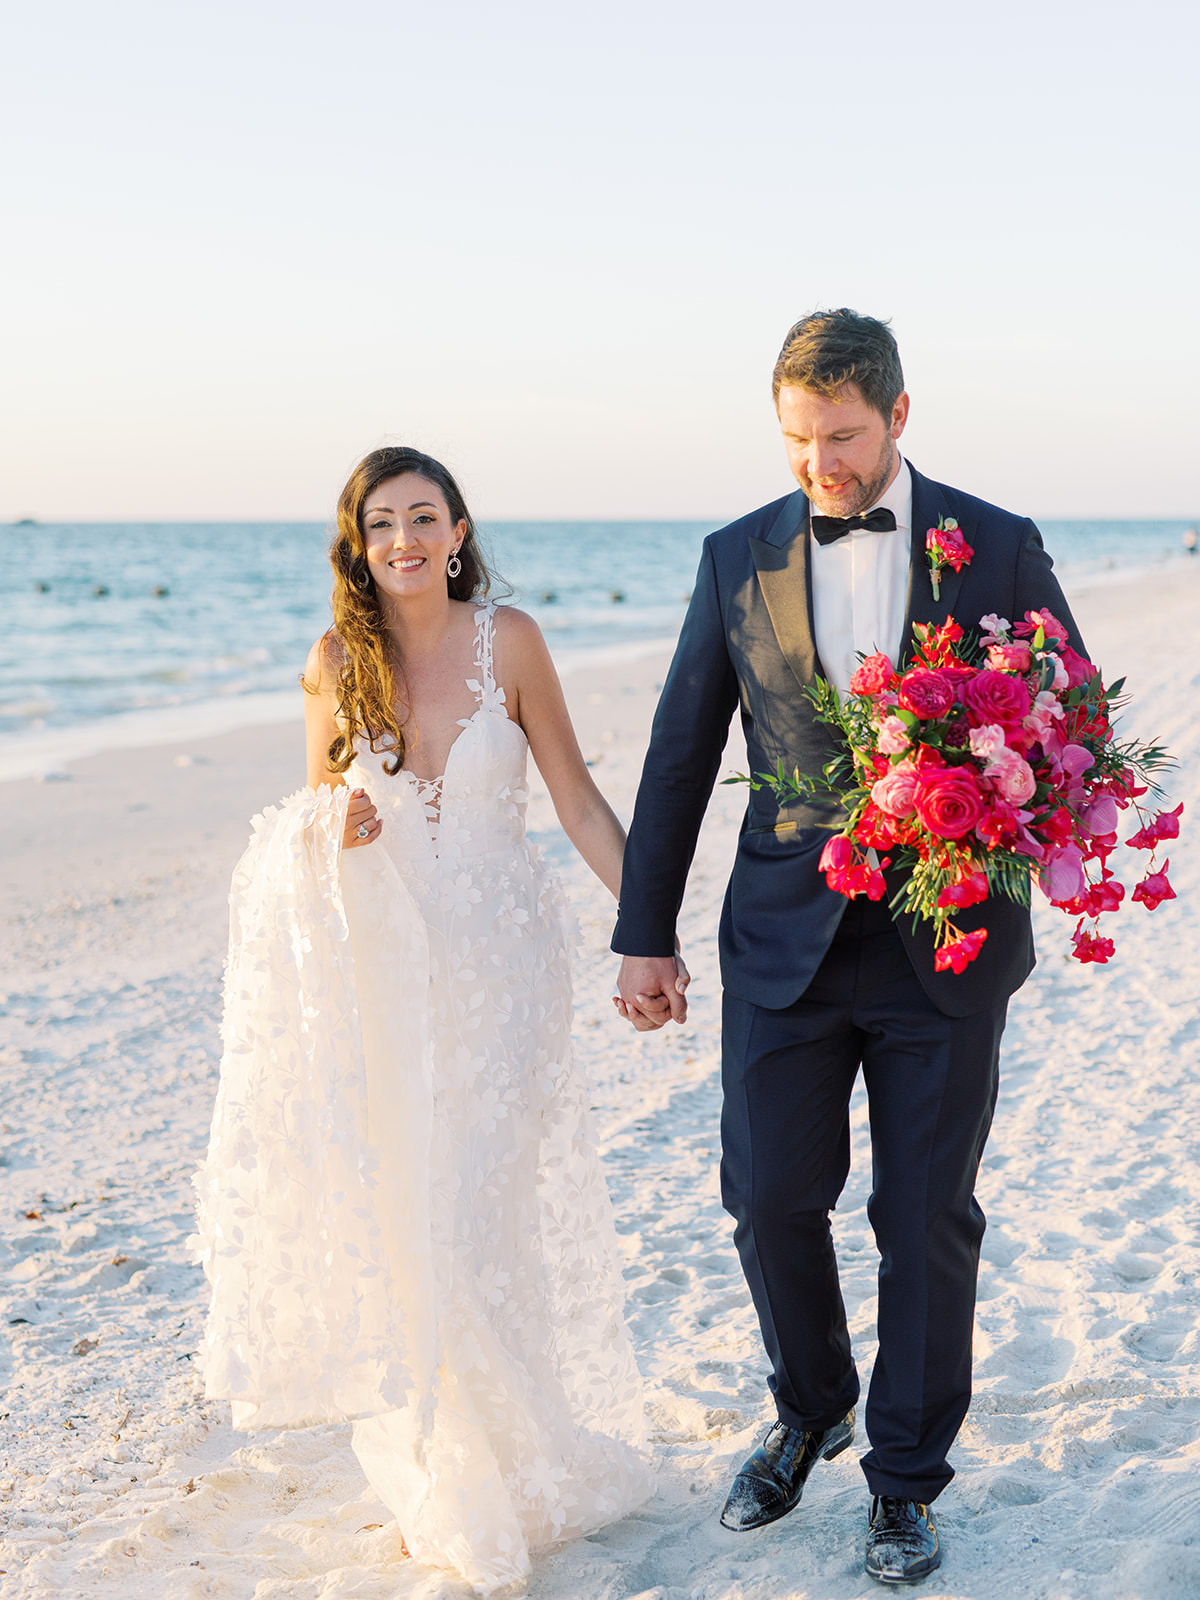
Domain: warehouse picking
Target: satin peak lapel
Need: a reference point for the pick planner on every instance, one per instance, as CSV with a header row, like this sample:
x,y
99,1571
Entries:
x,y
928,506
781,562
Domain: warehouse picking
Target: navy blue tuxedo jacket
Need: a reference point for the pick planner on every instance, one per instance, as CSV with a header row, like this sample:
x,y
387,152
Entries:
x,y
747,642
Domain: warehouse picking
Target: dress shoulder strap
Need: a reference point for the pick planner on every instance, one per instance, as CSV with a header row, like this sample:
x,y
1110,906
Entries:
x,y
485,629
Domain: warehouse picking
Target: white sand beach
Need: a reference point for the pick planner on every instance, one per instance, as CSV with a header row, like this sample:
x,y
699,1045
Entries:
x,y
1079,1465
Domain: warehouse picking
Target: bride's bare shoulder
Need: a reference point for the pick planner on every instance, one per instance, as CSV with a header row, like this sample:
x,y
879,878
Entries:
x,y
323,664
518,632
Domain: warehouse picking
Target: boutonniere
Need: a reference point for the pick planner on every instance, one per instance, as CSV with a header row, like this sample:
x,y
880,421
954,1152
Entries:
x,y
947,548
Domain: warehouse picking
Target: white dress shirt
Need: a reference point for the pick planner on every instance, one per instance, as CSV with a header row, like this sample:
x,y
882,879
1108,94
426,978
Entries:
x,y
860,587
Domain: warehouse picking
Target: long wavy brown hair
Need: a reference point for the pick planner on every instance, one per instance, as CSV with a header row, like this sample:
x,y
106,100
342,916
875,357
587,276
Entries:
x,y
359,644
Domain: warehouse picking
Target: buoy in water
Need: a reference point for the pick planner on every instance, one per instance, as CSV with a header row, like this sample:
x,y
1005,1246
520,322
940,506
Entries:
x,y
159,590
549,597
41,588
616,597
101,588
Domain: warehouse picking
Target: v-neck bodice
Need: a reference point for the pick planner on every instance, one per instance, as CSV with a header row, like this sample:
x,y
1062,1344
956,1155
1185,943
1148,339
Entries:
x,y
476,805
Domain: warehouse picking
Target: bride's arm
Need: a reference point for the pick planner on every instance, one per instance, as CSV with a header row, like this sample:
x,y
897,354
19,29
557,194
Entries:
x,y
530,679
319,687
586,816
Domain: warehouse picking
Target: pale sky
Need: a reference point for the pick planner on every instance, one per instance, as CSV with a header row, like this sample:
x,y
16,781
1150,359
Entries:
x,y
558,246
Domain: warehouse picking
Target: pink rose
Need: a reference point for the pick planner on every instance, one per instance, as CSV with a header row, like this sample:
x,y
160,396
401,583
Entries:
x,y
948,802
874,675
893,737
995,697
1012,777
926,694
1009,658
896,792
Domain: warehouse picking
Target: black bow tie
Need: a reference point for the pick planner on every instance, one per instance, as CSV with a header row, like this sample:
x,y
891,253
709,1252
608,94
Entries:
x,y
827,529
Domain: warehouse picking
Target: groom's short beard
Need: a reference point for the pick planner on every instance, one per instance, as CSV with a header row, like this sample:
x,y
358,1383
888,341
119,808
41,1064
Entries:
x,y
870,491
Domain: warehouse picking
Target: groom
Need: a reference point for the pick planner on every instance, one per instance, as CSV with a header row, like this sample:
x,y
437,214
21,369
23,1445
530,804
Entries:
x,y
817,986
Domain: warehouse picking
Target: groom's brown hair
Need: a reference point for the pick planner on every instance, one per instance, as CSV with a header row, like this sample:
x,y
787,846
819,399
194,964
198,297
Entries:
x,y
826,349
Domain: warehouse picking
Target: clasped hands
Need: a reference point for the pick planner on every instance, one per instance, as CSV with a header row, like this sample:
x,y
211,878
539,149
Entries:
x,y
651,990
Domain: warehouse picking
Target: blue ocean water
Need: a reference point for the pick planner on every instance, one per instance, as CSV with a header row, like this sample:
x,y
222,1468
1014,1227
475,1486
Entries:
x,y
112,628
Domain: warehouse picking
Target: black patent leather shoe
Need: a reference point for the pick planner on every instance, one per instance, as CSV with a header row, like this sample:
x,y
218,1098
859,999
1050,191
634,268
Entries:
x,y
772,1480
902,1542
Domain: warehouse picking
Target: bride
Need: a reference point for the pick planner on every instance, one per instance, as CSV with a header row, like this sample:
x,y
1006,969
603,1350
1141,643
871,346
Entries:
x,y
401,1214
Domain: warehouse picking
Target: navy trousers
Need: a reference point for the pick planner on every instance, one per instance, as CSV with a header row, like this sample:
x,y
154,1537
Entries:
x,y
931,1083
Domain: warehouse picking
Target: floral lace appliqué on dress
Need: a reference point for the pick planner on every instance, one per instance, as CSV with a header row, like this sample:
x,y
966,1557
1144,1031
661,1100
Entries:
x,y
402,1212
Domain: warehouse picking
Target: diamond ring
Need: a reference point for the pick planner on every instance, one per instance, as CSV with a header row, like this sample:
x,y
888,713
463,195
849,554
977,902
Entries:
x,y
361,831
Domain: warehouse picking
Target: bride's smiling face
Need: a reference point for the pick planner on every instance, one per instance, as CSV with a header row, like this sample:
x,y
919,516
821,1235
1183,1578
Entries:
x,y
409,536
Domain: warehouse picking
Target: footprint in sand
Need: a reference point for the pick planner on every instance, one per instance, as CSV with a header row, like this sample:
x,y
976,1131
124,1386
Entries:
x,y
1135,1269
1104,1221
1155,1341
1006,1489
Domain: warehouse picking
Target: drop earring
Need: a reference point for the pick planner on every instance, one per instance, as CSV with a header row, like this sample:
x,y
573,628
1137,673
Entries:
x,y
453,566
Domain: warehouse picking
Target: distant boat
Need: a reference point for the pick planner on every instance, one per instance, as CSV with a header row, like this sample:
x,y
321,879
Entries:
x,y
27,522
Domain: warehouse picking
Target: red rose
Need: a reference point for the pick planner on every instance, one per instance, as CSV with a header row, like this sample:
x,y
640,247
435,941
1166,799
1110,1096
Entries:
x,y
948,802
926,694
994,697
874,676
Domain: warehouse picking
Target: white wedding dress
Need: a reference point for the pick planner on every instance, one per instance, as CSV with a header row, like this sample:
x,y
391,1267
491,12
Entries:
x,y
401,1214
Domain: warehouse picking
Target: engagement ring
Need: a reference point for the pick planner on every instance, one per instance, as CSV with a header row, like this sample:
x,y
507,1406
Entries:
x,y
362,830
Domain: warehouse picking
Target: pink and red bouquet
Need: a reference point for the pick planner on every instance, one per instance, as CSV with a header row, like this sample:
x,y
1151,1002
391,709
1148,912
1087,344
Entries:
x,y
987,763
